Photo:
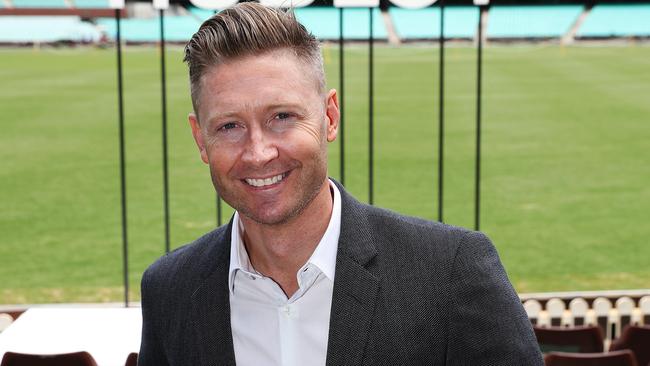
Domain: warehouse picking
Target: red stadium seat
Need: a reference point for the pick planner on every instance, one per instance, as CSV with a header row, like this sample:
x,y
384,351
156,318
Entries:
x,y
581,339
132,360
66,359
636,339
615,358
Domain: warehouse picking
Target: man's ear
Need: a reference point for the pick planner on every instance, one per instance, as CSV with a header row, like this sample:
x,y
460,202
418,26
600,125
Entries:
x,y
198,136
333,115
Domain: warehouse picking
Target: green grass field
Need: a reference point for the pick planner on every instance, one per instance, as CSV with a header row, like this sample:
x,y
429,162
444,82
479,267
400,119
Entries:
x,y
566,193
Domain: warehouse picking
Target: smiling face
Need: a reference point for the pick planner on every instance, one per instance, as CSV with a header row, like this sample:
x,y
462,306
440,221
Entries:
x,y
263,126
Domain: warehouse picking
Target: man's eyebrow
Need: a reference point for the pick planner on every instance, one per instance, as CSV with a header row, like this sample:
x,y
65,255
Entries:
x,y
285,105
266,108
218,115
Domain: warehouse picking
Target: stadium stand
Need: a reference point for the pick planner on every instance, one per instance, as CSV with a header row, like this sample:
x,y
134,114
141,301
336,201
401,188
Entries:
x,y
91,4
132,359
621,20
564,339
531,21
67,359
177,28
201,14
637,339
460,22
610,310
324,22
5,321
616,358
43,29
52,4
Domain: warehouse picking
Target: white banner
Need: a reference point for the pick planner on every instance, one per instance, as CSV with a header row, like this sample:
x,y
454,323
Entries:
x,y
413,4
161,4
286,3
222,4
481,2
116,4
213,4
356,3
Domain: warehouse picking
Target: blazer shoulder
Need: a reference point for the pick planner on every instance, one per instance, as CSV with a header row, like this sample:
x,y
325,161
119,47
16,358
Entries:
x,y
191,259
417,231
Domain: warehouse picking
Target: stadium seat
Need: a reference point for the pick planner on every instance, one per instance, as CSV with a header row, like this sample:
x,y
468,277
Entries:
x,y
579,309
576,339
65,359
91,4
460,22
531,21
636,339
27,29
323,22
8,317
132,360
644,307
177,28
200,13
5,321
616,358
52,4
616,20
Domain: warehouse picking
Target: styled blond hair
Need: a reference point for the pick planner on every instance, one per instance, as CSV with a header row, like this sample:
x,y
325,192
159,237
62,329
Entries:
x,y
248,29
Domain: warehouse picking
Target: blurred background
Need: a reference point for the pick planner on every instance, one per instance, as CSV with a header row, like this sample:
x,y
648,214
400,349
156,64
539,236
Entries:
x,y
528,120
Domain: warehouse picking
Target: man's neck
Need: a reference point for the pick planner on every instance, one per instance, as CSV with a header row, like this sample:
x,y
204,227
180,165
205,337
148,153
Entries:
x,y
278,251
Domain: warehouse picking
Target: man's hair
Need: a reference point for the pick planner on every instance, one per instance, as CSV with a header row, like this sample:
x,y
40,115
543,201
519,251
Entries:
x,y
248,29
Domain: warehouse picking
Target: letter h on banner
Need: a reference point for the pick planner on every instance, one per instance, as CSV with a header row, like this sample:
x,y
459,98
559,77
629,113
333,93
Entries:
x,y
157,4
161,4
356,3
116,4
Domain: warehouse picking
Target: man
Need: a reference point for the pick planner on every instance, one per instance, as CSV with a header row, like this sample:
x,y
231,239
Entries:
x,y
304,274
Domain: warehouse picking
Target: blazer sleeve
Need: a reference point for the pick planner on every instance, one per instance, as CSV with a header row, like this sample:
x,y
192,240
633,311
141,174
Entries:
x,y
487,324
151,349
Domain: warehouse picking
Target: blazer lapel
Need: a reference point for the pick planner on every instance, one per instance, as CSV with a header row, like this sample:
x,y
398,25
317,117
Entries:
x,y
211,308
355,287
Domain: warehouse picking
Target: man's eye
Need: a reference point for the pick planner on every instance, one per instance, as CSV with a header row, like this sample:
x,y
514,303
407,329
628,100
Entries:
x,y
283,115
227,126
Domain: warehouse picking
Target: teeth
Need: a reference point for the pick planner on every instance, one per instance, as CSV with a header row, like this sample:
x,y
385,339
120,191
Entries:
x,y
264,182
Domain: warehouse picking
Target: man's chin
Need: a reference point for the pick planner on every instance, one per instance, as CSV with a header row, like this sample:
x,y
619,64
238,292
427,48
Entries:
x,y
268,220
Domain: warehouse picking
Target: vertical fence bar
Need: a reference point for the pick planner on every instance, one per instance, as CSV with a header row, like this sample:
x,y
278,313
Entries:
x,y
371,107
479,66
219,215
218,198
441,112
120,106
342,97
163,89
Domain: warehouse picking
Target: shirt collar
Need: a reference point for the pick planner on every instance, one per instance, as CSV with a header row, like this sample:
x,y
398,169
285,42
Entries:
x,y
323,257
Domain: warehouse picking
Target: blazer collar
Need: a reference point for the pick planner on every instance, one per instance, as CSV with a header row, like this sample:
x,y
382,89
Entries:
x,y
355,286
353,300
211,305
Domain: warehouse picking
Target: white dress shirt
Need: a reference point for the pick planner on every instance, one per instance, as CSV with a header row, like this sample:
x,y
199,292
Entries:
x,y
267,327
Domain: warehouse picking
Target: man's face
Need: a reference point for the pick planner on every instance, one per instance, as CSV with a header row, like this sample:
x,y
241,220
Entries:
x,y
264,128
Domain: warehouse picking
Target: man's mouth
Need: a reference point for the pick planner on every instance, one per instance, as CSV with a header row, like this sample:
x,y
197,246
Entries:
x,y
265,181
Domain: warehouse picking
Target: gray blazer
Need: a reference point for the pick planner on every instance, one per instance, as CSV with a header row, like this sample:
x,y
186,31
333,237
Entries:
x,y
406,292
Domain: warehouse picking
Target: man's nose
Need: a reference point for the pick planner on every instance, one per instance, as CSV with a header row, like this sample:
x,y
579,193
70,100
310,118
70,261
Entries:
x,y
260,149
